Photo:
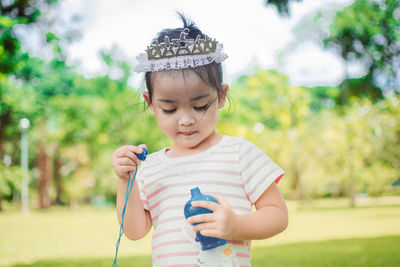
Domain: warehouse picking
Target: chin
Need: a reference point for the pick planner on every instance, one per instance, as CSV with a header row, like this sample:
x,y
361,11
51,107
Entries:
x,y
190,143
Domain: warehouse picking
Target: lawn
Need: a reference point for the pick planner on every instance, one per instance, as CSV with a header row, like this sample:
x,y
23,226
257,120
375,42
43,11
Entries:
x,y
360,252
323,233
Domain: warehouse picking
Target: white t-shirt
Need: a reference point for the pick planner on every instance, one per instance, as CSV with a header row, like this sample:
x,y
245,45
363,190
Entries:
x,y
234,168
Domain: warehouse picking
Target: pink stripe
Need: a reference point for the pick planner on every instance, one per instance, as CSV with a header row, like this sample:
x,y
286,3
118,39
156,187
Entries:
x,y
217,171
234,196
193,171
169,197
168,243
154,218
150,174
252,160
155,205
244,265
262,180
199,182
232,144
245,153
221,161
161,178
175,230
177,254
207,161
156,192
236,242
177,218
224,152
242,255
258,169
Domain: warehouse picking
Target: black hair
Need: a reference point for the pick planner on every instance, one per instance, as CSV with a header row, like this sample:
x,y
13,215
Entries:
x,y
211,73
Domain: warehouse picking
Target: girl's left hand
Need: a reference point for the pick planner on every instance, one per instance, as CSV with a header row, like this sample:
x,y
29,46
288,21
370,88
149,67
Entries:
x,y
221,223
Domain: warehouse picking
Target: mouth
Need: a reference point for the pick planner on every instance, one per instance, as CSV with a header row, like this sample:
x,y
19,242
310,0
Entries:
x,y
187,133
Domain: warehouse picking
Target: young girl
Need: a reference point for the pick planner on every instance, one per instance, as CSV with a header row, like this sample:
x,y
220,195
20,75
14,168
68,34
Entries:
x,y
185,92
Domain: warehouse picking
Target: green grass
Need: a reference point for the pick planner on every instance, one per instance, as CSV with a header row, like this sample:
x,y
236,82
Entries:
x,y
366,235
360,252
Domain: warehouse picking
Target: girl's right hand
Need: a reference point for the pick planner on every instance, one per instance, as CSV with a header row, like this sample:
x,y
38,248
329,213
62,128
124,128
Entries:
x,y
124,160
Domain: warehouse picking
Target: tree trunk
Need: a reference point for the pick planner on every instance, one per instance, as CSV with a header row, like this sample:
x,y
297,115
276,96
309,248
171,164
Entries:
x,y
5,119
58,178
344,94
352,195
296,185
44,170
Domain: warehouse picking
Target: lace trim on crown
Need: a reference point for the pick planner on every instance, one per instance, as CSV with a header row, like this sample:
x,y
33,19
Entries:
x,y
179,62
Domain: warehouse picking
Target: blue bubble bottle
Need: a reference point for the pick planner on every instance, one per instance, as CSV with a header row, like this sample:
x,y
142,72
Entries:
x,y
206,242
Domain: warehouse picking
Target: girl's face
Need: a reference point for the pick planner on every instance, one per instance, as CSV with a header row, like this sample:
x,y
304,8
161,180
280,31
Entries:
x,y
186,109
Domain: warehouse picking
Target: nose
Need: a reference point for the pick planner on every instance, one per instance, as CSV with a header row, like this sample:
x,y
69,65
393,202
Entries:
x,y
186,119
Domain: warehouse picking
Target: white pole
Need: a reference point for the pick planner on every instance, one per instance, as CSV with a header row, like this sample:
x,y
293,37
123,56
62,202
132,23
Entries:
x,y
24,125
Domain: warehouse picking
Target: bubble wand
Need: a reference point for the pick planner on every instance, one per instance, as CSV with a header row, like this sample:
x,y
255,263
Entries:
x,y
141,156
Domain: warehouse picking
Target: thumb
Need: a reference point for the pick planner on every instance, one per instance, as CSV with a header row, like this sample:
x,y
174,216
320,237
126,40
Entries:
x,y
143,145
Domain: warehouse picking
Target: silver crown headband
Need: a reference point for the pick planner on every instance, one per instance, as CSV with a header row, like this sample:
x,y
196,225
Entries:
x,y
180,53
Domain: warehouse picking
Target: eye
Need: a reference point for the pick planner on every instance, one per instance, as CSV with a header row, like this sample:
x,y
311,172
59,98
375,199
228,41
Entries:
x,y
202,108
169,111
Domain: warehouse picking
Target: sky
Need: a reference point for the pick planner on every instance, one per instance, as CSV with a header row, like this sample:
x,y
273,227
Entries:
x,y
252,34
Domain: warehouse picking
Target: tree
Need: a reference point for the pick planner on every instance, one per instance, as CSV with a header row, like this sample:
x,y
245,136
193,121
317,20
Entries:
x,y
272,114
369,31
41,82
13,13
281,5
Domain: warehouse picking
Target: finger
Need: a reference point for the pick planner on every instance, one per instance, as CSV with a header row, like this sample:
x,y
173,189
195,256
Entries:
x,y
121,162
221,200
137,149
211,233
203,226
207,229
201,218
127,150
130,155
126,162
121,151
123,171
206,204
134,154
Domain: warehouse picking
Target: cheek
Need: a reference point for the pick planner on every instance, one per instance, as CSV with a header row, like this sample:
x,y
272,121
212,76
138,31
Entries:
x,y
211,116
165,121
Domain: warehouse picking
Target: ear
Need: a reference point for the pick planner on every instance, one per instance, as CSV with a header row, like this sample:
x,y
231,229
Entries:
x,y
148,102
222,95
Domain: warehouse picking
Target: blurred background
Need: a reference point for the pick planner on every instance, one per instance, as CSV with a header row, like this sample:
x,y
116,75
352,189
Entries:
x,y
314,84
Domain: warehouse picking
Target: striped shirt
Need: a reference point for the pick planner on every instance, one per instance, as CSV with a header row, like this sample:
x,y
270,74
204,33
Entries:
x,y
234,168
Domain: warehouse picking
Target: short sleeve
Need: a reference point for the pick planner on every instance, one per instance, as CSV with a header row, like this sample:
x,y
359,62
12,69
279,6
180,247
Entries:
x,y
140,182
258,171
